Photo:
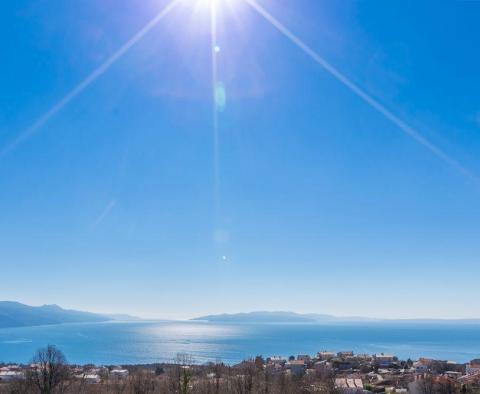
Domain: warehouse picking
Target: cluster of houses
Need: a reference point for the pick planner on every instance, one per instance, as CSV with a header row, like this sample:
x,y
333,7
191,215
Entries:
x,y
9,373
346,372
326,360
95,375
379,372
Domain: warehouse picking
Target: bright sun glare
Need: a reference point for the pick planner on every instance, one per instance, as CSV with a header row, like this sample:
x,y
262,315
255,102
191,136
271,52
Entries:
x,y
212,3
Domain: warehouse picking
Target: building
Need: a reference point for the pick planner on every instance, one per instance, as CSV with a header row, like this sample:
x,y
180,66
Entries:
x,y
342,364
473,367
304,357
297,367
421,368
470,380
276,360
345,354
363,357
324,355
92,378
274,368
384,360
119,373
8,376
453,374
349,385
423,365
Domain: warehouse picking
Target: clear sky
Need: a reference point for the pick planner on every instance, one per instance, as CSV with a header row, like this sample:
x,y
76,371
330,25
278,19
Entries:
x,y
317,202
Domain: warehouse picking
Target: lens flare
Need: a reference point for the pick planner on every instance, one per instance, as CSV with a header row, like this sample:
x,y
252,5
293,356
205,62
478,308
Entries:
x,y
220,96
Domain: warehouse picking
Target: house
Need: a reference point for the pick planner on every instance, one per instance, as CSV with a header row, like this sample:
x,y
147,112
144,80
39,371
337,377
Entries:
x,y
297,367
453,374
119,373
363,357
341,364
469,379
304,357
422,365
8,376
473,367
421,368
384,360
92,378
11,367
324,355
274,368
276,360
349,385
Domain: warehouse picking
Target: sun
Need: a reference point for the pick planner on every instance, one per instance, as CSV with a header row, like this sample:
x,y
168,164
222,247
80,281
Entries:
x,y
212,3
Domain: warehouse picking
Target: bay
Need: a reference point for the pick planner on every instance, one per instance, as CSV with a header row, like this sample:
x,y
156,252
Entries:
x,y
160,341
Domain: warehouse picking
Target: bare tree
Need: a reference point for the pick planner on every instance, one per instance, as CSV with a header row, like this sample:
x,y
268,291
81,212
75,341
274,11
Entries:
x,y
49,372
143,383
426,385
180,375
17,387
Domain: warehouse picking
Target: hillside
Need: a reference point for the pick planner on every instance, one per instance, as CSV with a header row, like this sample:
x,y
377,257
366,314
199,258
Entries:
x,y
15,314
292,317
259,317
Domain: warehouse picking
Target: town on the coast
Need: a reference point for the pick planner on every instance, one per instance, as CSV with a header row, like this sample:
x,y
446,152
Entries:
x,y
341,372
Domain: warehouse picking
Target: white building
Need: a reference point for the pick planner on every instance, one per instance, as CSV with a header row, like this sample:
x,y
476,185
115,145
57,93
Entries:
x,y
8,376
92,378
277,360
384,360
119,373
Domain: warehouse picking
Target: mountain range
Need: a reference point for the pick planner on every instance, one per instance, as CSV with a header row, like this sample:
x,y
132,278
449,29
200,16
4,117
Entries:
x,y
279,317
15,314
292,317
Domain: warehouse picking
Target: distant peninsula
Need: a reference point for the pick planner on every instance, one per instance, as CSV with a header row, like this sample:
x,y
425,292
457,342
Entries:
x,y
15,314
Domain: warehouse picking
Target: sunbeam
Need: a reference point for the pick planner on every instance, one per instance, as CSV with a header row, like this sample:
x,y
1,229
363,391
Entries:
x,y
407,129
214,48
88,80
217,105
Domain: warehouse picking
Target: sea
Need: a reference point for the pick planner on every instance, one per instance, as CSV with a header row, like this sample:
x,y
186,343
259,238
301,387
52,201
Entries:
x,y
140,342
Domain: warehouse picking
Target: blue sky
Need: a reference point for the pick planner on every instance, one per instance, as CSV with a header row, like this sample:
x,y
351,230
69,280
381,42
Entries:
x,y
323,205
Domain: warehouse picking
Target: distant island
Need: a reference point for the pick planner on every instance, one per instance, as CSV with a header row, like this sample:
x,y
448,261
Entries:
x,y
279,317
15,314
258,317
292,317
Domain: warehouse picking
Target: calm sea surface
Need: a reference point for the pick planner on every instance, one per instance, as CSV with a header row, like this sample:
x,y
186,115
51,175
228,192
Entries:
x,y
149,342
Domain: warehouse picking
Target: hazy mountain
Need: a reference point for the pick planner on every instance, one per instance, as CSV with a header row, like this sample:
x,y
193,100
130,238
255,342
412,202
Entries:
x,y
122,317
291,317
260,317
15,314
281,317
